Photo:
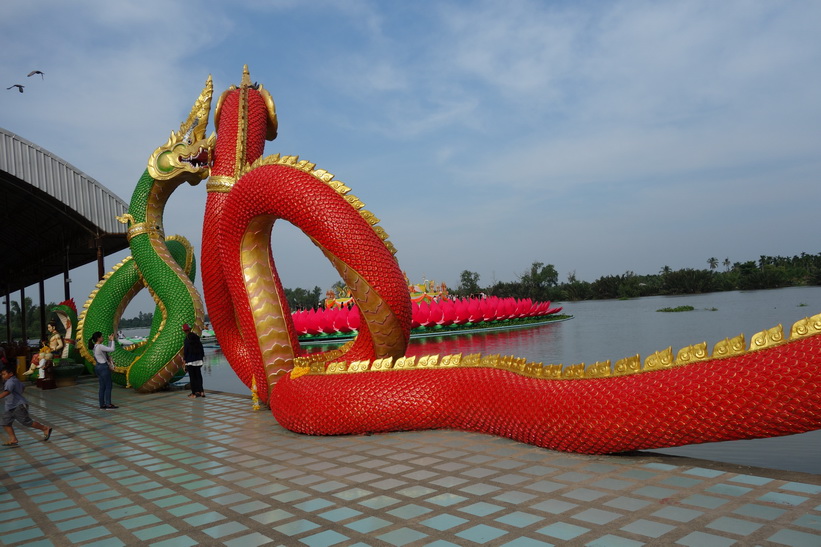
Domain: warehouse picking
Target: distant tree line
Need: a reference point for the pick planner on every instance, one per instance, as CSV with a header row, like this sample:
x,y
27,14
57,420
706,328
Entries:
x,y
297,299
34,328
301,299
32,313
142,320
540,281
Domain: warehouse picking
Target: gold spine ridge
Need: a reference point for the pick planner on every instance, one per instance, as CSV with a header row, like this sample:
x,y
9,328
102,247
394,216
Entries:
x,y
574,371
239,155
323,175
808,326
692,354
628,365
369,217
767,338
380,232
729,347
660,360
354,201
220,183
599,369
339,186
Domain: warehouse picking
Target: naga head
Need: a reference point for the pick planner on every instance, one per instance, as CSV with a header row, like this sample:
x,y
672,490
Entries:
x,y
244,119
260,95
187,154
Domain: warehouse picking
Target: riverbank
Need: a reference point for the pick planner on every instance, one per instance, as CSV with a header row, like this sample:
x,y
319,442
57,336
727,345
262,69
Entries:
x,y
167,470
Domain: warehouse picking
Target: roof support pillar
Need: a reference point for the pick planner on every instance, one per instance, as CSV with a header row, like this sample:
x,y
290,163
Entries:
x,y
7,302
66,278
100,261
42,287
24,334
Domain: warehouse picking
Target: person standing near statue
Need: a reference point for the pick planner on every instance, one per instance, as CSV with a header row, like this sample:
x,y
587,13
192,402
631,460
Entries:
x,y
193,354
103,366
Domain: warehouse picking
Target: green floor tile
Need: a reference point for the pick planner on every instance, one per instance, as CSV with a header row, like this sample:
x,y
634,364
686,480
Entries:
x,y
296,527
563,531
444,522
402,536
86,535
368,525
481,533
153,532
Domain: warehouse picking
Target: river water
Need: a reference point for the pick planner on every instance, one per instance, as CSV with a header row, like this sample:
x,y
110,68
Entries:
x,y
613,329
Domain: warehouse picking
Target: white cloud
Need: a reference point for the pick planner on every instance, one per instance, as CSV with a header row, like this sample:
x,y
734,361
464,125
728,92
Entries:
x,y
600,138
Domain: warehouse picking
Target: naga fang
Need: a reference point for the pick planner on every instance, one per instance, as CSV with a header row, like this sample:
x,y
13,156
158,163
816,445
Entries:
x,y
768,390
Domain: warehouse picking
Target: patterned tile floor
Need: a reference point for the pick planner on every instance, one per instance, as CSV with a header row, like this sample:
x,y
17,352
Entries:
x,y
165,470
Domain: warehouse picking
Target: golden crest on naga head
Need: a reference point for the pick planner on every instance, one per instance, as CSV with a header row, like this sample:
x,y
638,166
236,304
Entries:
x,y
187,154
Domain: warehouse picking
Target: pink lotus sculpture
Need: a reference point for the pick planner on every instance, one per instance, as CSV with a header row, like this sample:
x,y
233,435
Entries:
x,y
444,313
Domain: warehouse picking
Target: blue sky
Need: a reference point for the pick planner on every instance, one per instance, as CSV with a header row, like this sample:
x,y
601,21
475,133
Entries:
x,y
599,137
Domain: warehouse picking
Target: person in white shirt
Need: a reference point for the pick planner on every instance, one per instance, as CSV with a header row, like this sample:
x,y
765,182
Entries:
x,y
103,367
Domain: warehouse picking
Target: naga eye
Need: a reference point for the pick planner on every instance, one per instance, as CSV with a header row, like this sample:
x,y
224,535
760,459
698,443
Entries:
x,y
164,162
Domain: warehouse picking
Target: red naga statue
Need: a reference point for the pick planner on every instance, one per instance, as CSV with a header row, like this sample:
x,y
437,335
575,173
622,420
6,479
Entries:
x,y
368,385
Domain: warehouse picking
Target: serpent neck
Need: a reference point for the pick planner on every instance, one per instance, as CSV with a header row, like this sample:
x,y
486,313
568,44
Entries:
x,y
241,132
148,204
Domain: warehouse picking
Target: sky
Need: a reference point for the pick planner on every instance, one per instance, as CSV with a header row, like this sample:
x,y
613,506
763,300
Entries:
x,y
599,137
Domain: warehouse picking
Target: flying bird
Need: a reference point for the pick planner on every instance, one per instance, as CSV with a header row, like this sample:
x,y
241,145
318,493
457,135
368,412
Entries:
x,y
18,86
33,72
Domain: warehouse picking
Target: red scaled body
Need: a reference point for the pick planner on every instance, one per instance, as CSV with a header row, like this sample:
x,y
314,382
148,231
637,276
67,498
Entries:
x,y
768,393
367,385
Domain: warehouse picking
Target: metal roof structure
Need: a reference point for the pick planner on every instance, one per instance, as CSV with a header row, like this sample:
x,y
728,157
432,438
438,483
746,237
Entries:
x,y
55,217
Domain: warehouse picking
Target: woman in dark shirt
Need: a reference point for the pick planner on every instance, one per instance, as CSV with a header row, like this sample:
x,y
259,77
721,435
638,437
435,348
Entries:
x,y
193,354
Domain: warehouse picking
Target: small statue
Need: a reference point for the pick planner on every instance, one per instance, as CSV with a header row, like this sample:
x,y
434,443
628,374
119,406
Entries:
x,y
46,371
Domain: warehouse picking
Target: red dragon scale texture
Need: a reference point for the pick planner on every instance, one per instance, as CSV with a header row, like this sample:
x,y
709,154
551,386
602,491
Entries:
x,y
759,394
368,385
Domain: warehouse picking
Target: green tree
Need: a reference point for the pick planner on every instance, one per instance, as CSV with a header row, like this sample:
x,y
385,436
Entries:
x,y
607,286
33,326
713,262
142,320
576,290
537,282
302,299
468,283
768,277
506,289
688,281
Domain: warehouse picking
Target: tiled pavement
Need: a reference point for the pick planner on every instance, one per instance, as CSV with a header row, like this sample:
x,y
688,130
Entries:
x,y
167,470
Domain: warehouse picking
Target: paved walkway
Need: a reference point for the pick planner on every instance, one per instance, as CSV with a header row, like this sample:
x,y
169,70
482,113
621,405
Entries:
x,y
167,470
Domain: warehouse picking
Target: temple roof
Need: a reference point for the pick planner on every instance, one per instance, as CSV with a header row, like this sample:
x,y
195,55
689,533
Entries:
x,y
54,215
